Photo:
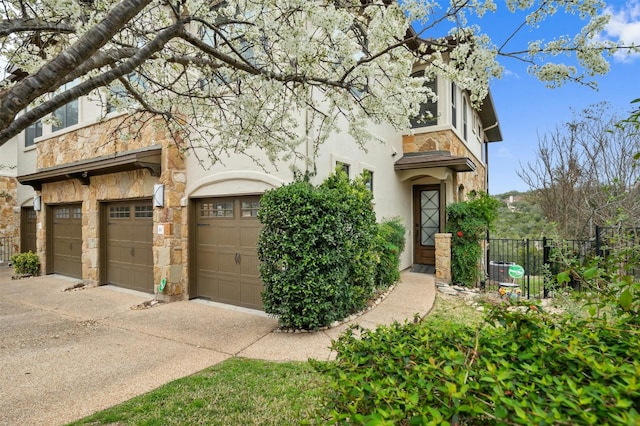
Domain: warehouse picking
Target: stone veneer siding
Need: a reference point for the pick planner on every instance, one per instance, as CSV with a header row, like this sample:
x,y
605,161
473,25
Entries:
x,y
9,211
443,257
447,140
169,249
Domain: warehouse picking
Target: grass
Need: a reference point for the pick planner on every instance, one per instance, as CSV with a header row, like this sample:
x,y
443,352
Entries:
x,y
235,392
454,309
247,392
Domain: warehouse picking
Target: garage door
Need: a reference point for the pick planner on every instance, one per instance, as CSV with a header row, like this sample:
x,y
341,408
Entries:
x,y
128,254
28,230
226,256
66,240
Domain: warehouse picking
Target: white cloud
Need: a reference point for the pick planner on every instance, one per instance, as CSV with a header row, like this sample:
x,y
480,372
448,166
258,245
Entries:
x,y
624,25
511,74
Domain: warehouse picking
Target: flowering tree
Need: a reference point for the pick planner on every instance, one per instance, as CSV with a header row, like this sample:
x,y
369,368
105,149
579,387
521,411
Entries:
x,y
238,74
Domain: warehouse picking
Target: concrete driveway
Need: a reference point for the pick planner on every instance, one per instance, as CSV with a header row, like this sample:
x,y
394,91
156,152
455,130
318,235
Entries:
x,y
65,354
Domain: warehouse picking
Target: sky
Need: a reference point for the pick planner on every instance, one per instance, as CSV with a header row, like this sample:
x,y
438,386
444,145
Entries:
x,y
527,109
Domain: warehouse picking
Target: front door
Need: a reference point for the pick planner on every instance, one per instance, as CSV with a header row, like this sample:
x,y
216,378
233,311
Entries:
x,y
427,217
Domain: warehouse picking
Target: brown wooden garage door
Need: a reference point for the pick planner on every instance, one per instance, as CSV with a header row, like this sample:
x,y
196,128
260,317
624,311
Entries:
x,y
28,230
66,240
226,263
127,252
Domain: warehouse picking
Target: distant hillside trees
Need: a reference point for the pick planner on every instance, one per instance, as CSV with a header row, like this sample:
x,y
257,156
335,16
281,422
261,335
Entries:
x,y
519,216
584,173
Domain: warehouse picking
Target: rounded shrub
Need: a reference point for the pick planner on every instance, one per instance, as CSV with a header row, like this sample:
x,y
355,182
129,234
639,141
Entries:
x,y
315,251
26,263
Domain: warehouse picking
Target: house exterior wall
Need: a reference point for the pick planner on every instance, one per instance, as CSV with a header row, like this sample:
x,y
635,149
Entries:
x,y
83,143
187,177
9,211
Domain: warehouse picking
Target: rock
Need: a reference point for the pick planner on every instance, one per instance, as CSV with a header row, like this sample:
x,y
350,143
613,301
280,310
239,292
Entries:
x,y
448,290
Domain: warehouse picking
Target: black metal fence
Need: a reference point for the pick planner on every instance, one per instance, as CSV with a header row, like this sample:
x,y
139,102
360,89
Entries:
x,y
544,258
7,249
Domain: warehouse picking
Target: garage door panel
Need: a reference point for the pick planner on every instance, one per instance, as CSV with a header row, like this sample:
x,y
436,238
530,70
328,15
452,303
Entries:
x,y
249,264
249,235
226,255
251,295
228,290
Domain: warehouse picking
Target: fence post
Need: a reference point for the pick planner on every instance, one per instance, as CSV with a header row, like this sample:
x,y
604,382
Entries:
x,y
546,255
598,247
528,267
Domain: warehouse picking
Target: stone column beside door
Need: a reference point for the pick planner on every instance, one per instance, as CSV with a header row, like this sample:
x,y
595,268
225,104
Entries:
x,y
443,257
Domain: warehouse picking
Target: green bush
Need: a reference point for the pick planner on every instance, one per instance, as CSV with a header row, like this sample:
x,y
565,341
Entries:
x,y
468,222
26,263
523,368
315,251
390,242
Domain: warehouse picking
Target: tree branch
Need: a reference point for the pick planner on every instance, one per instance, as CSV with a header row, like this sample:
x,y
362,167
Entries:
x,y
87,86
49,77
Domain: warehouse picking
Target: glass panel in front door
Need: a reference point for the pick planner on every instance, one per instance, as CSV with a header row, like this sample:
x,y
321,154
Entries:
x,y
429,216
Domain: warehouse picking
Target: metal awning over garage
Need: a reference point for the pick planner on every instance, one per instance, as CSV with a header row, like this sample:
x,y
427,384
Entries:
x,y
145,158
433,159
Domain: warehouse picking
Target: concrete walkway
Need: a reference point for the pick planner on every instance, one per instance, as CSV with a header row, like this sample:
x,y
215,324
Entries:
x,y
67,354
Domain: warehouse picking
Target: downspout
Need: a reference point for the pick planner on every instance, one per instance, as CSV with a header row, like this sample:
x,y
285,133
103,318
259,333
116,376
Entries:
x,y
487,236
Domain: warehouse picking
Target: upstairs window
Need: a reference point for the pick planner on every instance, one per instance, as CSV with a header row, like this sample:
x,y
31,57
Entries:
x,y
368,180
33,131
67,115
343,166
428,115
454,105
464,119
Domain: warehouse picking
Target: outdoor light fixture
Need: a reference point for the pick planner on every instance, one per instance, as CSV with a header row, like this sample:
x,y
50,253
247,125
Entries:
x,y
37,203
158,195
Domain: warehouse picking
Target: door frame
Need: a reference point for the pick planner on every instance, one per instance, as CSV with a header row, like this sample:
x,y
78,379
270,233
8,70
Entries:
x,y
416,216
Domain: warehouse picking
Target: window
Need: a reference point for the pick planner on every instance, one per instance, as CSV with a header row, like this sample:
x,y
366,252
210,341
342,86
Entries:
x,y
454,102
67,115
32,132
368,179
119,212
464,118
144,211
217,209
61,213
343,166
249,208
428,115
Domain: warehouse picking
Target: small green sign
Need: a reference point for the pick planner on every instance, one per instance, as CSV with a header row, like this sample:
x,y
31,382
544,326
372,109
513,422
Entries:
x,y
163,282
516,271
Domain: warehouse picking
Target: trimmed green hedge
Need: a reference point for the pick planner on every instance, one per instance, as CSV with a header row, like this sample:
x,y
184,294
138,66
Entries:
x,y
315,250
390,242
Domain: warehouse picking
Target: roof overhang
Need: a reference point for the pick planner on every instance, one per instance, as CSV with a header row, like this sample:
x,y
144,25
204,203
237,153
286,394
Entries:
x,y
429,160
146,158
